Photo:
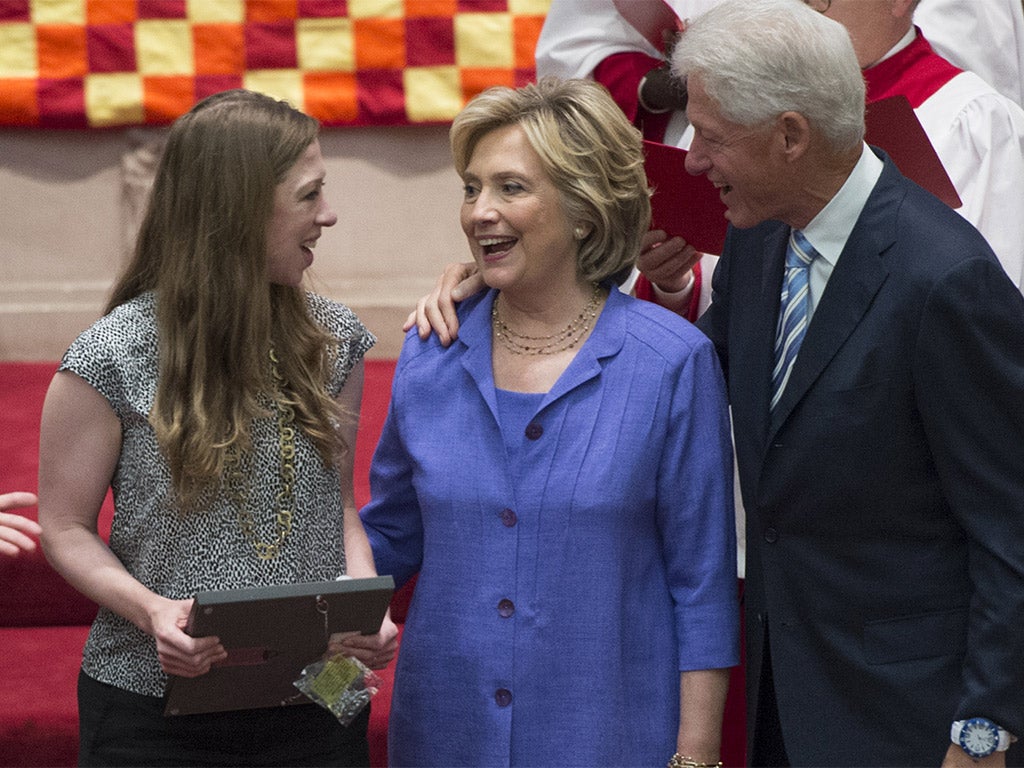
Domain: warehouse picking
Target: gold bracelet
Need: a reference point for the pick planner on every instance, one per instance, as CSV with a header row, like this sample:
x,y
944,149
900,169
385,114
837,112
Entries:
x,y
679,761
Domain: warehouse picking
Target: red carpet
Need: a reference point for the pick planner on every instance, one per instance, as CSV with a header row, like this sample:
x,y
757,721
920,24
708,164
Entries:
x,y
38,666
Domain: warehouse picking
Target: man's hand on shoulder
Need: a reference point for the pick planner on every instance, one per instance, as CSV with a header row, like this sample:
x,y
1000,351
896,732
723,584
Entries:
x,y
435,312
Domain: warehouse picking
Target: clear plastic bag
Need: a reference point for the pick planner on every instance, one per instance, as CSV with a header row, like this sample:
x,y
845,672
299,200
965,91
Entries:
x,y
340,684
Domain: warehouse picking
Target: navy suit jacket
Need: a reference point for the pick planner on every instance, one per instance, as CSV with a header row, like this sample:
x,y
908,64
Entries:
x,y
885,493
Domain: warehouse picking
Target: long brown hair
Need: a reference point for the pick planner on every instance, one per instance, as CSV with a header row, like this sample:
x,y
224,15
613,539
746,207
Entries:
x,y
202,250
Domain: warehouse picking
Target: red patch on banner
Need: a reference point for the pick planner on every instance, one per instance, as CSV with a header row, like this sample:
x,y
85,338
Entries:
x,y
16,10
162,9
111,48
430,42
62,103
380,92
270,45
207,85
483,6
322,9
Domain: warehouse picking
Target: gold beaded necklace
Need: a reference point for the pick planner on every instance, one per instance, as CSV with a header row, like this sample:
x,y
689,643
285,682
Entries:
x,y
566,338
238,481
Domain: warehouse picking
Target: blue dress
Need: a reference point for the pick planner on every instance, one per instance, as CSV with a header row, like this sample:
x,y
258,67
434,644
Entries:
x,y
565,581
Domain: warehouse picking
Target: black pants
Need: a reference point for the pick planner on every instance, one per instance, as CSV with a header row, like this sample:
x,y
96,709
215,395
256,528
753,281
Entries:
x,y
120,728
768,750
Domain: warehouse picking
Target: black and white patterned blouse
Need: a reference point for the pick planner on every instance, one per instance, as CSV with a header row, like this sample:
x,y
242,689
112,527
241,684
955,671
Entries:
x,y
177,555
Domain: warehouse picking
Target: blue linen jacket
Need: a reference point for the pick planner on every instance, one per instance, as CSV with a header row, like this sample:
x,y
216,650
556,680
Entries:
x,y
559,595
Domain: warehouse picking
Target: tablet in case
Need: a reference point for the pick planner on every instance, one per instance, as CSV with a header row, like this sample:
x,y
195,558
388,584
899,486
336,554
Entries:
x,y
271,634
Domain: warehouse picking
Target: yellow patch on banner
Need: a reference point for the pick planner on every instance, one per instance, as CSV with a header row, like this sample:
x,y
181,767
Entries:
x,y
284,84
363,9
325,45
114,99
18,55
216,11
483,40
432,93
164,47
58,11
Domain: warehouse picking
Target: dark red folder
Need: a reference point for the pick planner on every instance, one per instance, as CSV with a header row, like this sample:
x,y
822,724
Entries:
x,y
684,205
893,127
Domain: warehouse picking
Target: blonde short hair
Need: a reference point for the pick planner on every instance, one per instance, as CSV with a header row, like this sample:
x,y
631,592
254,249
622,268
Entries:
x,y
589,150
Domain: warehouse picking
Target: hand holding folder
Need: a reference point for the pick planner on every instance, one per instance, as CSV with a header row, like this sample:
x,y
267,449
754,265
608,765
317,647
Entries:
x,y
270,635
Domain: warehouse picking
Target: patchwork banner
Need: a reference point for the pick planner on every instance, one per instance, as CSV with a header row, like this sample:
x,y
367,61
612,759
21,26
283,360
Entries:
x,y
110,63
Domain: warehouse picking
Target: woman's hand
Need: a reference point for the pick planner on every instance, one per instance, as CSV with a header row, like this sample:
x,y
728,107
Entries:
x,y
179,653
15,530
375,651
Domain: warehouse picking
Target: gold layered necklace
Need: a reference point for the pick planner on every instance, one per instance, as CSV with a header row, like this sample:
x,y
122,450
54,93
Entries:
x,y
238,480
566,338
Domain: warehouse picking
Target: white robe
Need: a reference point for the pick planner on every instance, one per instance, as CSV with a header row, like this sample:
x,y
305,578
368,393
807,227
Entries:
x,y
983,36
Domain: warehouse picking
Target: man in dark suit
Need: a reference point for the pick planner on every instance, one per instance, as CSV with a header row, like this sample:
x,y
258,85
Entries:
x,y
879,424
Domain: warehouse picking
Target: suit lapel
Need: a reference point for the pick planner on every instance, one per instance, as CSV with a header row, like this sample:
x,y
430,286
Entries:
x,y
858,275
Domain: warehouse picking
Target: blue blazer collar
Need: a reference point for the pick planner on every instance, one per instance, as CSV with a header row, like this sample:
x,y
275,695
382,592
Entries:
x,y
606,339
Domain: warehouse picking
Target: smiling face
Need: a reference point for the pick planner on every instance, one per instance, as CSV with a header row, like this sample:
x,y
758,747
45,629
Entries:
x,y
513,215
745,163
300,212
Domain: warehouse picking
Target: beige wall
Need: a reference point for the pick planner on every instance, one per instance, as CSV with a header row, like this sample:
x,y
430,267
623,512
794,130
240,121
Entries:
x,y
68,206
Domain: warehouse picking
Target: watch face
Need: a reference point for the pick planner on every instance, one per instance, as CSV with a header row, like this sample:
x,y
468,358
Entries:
x,y
979,737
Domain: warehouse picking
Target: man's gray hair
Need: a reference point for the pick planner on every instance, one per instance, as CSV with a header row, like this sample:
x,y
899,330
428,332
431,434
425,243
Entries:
x,y
759,58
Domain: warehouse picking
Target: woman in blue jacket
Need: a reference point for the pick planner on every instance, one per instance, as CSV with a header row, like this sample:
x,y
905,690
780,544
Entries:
x,y
560,476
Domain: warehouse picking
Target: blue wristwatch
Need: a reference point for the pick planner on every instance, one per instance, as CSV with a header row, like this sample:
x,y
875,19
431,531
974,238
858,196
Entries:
x,y
979,737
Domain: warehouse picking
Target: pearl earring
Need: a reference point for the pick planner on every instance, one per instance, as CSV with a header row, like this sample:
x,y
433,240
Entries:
x,y
579,232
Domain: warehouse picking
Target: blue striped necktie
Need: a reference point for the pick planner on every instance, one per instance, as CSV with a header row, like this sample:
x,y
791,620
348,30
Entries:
x,y
792,310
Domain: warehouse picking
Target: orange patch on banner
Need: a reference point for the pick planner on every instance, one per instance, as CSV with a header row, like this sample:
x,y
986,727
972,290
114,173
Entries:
x,y
380,43
61,51
420,8
109,12
331,96
525,31
476,80
164,98
19,105
271,10
218,49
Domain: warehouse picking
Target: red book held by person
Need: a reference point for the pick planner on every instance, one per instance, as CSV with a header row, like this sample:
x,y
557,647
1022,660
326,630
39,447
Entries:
x,y
687,206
